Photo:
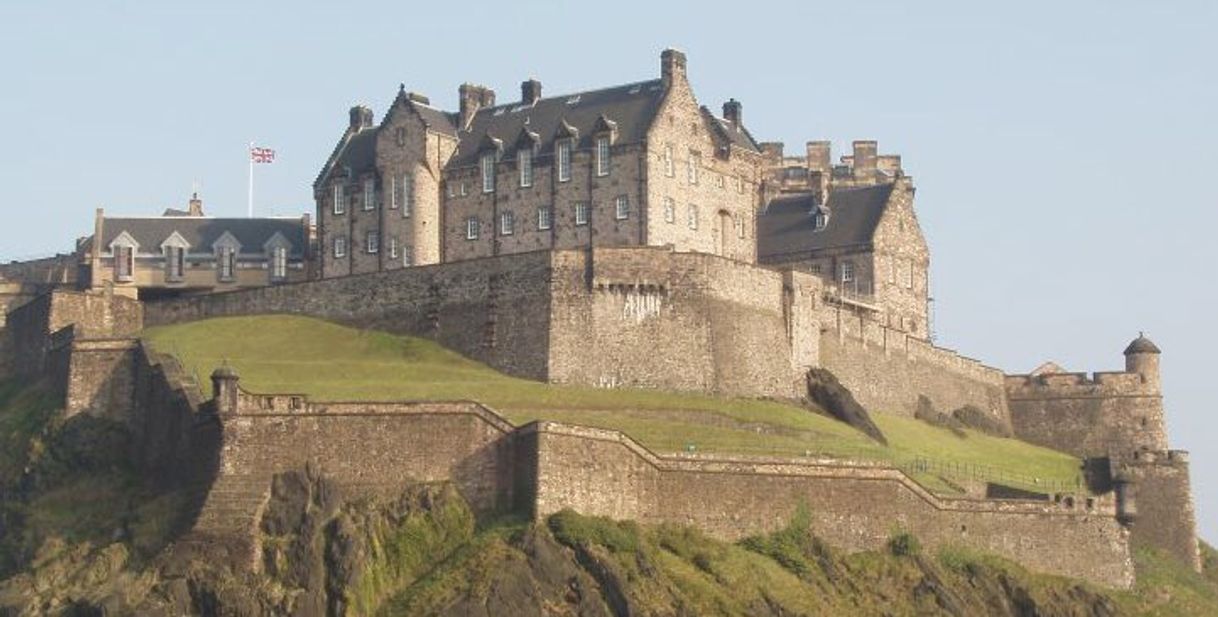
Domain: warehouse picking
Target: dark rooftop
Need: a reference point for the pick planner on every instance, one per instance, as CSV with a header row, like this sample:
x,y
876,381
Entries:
x,y
787,225
201,232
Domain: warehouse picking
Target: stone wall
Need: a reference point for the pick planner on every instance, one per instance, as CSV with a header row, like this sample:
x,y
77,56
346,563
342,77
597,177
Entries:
x,y
1107,413
91,315
887,370
1165,514
493,310
101,379
854,506
687,321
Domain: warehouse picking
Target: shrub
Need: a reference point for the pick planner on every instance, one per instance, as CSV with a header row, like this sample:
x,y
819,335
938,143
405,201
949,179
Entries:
x,y
574,529
904,544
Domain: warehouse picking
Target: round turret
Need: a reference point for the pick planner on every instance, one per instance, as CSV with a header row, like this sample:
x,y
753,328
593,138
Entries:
x,y
1142,357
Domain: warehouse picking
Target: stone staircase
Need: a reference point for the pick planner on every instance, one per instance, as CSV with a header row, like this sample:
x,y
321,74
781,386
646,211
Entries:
x,y
232,506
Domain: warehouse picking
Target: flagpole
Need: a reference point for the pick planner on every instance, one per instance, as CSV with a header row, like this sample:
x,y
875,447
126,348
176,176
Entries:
x,y
249,156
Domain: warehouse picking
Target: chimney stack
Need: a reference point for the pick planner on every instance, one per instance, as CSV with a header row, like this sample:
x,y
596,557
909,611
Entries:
x,y
472,98
672,67
819,155
733,112
361,118
865,161
530,91
196,205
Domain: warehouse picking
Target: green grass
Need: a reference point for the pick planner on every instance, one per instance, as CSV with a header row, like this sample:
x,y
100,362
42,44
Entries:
x,y
25,411
329,362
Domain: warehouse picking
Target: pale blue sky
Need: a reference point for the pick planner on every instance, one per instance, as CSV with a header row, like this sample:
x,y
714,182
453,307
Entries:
x,y
1063,151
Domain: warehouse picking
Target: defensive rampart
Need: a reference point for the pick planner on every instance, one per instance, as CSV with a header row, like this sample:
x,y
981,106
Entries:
x,y
29,327
1108,413
545,467
888,370
643,317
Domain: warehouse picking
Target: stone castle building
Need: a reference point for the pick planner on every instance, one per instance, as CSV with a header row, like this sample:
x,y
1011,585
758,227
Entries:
x,y
184,252
622,237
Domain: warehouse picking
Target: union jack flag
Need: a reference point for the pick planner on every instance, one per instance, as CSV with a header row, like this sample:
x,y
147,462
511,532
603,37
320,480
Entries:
x,y
262,155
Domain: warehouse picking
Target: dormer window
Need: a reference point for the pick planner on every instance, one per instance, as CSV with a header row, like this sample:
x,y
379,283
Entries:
x,y
564,160
227,256
175,262
340,200
602,155
279,263
488,172
369,194
123,250
524,160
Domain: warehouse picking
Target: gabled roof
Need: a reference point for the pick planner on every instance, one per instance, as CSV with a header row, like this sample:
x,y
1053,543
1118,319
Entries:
x,y
202,232
786,224
632,107
356,153
727,131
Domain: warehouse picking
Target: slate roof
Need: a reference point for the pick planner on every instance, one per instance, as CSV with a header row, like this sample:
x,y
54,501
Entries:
x,y
631,106
787,226
727,130
201,232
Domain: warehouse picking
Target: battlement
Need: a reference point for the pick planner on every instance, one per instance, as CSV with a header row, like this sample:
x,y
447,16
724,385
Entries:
x,y
815,170
1099,383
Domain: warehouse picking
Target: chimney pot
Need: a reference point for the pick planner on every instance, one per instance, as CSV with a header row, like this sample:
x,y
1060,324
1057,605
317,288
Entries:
x,y
733,112
530,91
361,117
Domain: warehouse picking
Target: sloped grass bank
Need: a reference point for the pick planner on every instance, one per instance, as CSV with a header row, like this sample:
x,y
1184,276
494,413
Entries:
x,y
293,354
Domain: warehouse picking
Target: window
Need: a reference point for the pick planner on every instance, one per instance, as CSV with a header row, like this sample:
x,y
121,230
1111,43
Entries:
x,y
340,247
369,194
464,189
175,262
602,155
694,162
718,180
740,230
340,200
407,256
564,160
488,172
279,263
581,213
394,193
892,270
393,247
670,210
816,269
622,209
544,218
124,262
820,220
407,195
228,263
472,227
847,272
909,276
372,242
507,223
524,160
693,216
668,166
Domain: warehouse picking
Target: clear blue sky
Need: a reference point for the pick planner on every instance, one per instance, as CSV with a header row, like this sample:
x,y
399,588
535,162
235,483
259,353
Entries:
x,y
1063,151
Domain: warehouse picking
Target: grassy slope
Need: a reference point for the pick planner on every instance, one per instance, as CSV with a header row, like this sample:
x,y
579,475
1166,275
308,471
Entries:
x,y
326,361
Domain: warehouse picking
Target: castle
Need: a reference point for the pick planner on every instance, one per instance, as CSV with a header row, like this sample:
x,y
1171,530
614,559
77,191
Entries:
x,y
623,237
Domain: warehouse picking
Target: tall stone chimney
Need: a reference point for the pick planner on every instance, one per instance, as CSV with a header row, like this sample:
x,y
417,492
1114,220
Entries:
x,y
472,98
196,205
819,155
361,118
733,112
672,67
864,160
530,91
